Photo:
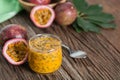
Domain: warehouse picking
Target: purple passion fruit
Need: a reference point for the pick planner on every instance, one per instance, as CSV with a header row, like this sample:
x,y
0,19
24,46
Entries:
x,y
66,13
12,31
42,16
15,51
40,2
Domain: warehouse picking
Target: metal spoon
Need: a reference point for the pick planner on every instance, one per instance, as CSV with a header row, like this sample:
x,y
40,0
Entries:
x,y
75,54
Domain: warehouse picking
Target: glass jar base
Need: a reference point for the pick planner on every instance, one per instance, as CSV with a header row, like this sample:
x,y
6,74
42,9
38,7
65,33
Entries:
x,y
44,73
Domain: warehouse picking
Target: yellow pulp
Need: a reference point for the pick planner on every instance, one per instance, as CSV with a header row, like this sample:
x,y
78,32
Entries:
x,y
49,57
42,16
17,51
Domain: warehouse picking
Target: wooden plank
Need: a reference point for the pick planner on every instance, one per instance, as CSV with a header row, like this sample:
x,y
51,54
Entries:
x,y
102,63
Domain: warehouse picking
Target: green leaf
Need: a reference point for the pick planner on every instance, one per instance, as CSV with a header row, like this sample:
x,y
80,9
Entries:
x,y
87,26
104,25
103,17
80,5
93,10
91,17
76,27
107,25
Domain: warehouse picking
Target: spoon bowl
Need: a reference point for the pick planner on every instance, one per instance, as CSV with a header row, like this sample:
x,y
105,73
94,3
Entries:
x,y
78,54
75,54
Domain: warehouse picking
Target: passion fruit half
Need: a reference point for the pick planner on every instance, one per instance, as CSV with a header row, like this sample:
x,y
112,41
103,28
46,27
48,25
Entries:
x,y
42,16
15,51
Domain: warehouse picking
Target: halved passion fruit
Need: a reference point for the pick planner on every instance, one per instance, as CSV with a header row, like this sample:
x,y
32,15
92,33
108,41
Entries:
x,y
42,16
15,51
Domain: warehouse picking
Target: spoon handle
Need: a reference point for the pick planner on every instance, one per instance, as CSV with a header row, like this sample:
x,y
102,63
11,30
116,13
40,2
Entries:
x,y
63,45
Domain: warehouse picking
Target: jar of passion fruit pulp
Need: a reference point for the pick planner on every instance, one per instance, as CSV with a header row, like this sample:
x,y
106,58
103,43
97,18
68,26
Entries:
x,y
45,53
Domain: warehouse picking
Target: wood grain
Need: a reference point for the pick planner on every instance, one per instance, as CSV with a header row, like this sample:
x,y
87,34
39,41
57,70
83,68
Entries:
x,y
102,63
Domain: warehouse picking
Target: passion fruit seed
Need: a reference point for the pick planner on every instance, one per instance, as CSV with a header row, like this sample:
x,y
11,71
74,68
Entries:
x,y
43,43
17,51
42,16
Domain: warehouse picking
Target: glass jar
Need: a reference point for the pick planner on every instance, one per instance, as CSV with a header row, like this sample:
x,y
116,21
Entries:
x,y
45,53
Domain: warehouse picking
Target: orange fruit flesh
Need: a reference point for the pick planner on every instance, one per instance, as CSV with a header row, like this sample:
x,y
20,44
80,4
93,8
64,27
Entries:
x,y
42,16
17,51
45,44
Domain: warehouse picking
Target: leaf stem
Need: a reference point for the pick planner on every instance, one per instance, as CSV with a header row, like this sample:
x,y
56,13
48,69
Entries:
x,y
80,14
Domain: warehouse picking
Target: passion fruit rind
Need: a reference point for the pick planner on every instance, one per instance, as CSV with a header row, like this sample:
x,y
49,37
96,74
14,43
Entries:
x,y
42,16
12,31
15,51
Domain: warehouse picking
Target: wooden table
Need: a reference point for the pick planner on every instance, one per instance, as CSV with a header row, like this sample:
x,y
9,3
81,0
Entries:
x,y
102,63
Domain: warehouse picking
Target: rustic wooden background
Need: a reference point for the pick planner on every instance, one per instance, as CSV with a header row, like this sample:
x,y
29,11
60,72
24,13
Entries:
x,y
102,63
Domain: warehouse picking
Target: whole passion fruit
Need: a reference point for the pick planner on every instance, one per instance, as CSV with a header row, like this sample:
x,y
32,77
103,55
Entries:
x,y
12,31
66,13
42,16
15,51
40,2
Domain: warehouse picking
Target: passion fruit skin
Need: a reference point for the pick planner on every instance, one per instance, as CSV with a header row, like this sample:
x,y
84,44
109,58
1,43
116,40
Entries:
x,y
9,59
41,7
66,13
12,31
40,2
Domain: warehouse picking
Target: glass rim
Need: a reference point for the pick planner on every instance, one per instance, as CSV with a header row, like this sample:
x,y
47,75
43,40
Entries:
x,y
38,35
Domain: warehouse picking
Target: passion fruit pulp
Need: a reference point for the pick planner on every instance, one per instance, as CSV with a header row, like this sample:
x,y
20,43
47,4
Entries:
x,y
12,31
15,51
66,13
42,16
40,2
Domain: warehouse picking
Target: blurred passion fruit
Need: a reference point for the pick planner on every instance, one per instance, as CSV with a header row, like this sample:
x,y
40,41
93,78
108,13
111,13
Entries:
x,y
66,13
28,5
40,2
12,31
